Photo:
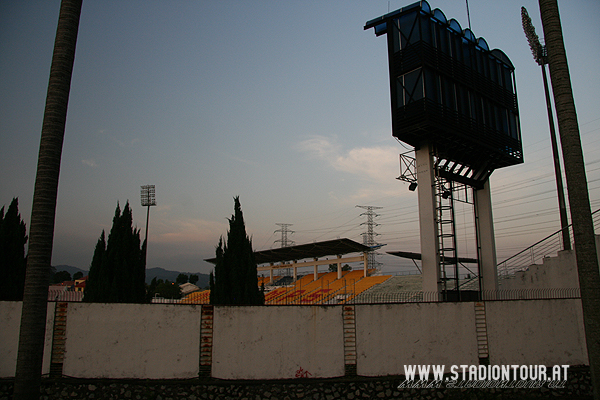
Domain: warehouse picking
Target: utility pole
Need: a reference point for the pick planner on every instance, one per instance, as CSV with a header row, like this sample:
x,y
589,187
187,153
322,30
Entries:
x,y
369,235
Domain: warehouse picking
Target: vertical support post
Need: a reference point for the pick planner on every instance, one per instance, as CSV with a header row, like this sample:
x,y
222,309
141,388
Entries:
x,y
147,222
366,263
339,267
562,207
295,268
430,259
316,270
485,230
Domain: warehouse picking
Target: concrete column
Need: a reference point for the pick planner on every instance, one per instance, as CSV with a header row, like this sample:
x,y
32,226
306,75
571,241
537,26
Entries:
x,y
339,267
316,270
295,271
487,242
271,274
366,264
430,259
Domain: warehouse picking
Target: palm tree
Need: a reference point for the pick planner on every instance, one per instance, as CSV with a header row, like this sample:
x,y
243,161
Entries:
x,y
583,227
41,231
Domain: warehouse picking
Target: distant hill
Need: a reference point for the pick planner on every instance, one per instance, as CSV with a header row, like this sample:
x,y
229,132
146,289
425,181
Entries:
x,y
158,273
71,270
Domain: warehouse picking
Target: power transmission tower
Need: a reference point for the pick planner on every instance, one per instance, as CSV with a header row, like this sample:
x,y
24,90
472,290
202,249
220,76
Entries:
x,y
285,242
369,235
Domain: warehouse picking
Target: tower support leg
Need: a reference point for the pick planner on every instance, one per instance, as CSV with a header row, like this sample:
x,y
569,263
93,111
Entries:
x,y
430,261
484,225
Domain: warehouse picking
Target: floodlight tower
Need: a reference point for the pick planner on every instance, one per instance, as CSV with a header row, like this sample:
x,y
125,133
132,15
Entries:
x,y
148,195
540,56
454,101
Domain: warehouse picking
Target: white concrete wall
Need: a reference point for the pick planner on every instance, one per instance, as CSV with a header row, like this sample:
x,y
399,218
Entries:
x,y
276,342
132,341
391,336
545,332
162,341
10,322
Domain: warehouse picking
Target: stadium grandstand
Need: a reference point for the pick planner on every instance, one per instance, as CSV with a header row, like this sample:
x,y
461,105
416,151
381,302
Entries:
x,y
310,287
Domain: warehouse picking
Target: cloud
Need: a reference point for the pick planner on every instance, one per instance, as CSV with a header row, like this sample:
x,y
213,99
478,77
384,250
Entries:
x,y
189,230
118,140
376,163
90,163
319,147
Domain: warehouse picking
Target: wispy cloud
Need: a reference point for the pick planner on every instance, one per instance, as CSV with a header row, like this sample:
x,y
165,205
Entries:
x,y
189,230
374,163
90,163
118,140
239,159
319,147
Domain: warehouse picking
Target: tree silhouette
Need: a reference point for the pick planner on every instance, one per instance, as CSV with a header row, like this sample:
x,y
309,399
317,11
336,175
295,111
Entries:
x,y
118,268
235,280
181,279
13,236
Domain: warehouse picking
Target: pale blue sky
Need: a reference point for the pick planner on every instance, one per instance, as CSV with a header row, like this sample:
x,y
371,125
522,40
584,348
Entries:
x,y
284,103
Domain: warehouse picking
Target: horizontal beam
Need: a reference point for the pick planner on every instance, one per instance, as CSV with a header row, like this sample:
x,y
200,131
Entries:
x,y
360,258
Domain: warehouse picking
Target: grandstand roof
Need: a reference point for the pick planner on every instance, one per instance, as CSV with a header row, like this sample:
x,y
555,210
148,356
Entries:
x,y
309,250
417,256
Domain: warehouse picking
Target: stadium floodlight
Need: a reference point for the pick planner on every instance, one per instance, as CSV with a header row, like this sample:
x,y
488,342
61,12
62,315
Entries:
x,y
540,56
148,194
536,47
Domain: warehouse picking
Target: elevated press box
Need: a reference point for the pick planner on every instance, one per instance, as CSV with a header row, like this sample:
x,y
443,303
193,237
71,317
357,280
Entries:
x,y
449,89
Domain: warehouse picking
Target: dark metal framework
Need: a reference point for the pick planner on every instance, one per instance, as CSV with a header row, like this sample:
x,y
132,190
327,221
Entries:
x,y
450,89
309,250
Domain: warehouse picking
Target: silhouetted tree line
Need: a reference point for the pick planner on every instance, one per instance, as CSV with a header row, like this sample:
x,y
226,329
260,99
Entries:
x,y
183,278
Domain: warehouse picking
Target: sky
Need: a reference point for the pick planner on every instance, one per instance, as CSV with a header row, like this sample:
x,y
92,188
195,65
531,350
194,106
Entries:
x,y
283,103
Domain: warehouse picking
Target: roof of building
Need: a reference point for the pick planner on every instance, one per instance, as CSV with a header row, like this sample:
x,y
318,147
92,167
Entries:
x,y
188,288
417,256
309,250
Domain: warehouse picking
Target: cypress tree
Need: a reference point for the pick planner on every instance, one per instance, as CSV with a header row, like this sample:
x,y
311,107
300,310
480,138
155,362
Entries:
x,y
95,283
118,268
13,236
235,278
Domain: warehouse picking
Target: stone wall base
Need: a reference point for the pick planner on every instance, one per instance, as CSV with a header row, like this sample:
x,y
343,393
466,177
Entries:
x,y
577,387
